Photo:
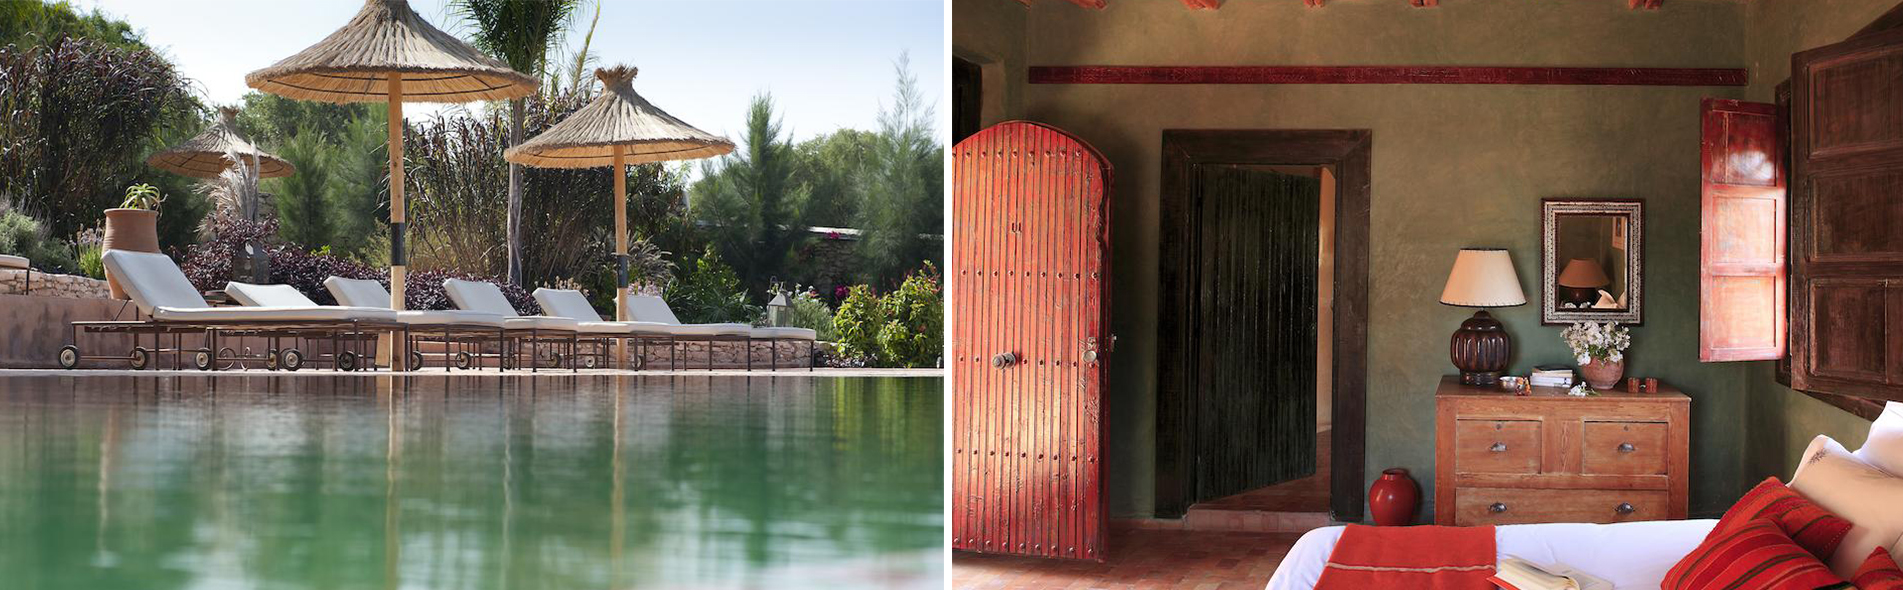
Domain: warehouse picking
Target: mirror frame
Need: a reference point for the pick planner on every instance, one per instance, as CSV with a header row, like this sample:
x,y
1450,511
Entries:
x,y
1634,212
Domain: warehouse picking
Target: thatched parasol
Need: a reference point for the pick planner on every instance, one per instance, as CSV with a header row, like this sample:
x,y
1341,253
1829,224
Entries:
x,y
617,129
387,53
208,154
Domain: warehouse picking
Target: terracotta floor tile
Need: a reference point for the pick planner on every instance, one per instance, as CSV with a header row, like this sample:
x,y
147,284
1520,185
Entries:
x,y
1139,558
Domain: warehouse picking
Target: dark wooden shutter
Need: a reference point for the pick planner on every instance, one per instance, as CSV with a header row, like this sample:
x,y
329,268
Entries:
x,y
1255,315
1741,255
1847,217
1030,259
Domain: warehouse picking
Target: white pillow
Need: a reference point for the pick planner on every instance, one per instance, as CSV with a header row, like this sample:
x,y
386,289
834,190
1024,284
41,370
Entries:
x,y
1884,447
1869,498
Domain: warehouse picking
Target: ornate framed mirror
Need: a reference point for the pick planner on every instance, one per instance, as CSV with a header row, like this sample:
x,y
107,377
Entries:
x,y
1592,261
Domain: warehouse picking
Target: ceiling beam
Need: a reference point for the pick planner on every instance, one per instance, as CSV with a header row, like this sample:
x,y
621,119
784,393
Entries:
x,y
1091,4
1542,75
1203,4
1646,4
1215,4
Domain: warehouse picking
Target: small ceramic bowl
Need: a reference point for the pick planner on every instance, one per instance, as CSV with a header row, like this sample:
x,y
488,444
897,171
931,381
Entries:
x,y
1512,383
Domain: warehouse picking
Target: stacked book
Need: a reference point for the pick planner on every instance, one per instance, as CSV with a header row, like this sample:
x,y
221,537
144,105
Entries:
x,y
1552,378
1519,574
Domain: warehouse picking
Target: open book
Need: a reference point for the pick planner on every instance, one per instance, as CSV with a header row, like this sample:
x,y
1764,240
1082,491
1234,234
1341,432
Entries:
x,y
1514,573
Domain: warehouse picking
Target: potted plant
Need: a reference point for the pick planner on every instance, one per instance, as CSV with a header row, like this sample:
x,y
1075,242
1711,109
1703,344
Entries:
x,y
1600,351
133,226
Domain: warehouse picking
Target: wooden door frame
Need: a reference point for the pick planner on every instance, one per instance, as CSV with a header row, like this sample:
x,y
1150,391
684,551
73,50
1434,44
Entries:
x,y
1348,151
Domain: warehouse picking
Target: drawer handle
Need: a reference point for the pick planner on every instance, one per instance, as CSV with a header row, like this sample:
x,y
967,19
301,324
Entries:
x,y
1497,507
1626,447
1498,447
1625,508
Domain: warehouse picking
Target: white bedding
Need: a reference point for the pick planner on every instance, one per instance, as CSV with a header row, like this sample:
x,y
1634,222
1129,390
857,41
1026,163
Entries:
x,y
1631,555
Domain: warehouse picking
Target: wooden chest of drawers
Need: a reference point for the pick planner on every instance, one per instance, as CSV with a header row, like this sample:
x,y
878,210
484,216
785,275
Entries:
x,y
1550,457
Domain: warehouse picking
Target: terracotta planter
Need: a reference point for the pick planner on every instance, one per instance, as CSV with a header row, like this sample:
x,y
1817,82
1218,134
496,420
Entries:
x,y
1394,498
129,229
1602,375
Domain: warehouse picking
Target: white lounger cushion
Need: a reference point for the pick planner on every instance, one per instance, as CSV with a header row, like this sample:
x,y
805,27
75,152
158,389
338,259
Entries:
x,y
487,298
368,293
445,317
540,322
152,281
11,261
267,295
1630,555
320,313
566,303
648,308
786,333
734,330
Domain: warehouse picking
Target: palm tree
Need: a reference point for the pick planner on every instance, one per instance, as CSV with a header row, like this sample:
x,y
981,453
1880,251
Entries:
x,y
520,33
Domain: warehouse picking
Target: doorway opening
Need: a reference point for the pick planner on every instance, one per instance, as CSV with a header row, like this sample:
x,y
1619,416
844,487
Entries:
x,y
1262,323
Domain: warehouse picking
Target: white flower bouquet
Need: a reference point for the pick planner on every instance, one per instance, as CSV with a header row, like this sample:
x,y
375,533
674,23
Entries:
x,y
1595,341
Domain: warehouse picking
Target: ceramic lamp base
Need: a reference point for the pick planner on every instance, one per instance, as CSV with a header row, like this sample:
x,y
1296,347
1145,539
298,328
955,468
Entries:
x,y
1480,349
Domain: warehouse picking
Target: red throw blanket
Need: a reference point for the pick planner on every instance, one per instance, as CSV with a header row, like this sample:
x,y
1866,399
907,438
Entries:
x,y
1421,557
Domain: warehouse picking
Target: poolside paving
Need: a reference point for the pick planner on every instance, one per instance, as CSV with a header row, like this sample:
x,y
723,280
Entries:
x,y
519,373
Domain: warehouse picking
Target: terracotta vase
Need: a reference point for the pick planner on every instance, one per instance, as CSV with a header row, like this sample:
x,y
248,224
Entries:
x,y
1602,374
1394,498
136,230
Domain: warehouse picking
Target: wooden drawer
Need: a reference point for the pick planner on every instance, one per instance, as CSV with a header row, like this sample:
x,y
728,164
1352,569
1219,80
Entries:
x,y
1497,446
1477,506
1624,448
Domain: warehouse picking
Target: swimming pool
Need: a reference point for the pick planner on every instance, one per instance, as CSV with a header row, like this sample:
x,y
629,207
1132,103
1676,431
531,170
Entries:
x,y
470,482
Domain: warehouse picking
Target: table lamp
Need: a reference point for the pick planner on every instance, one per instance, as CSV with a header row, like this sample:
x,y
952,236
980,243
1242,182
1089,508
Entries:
x,y
1580,281
1483,278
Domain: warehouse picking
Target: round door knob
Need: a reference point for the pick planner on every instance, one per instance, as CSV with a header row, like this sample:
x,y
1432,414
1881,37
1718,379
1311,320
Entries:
x,y
1004,359
1498,447
1625,508
1626,447
1090,356
1497,507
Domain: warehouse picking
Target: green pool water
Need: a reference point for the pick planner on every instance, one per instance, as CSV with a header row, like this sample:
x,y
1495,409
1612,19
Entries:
x,y
470,482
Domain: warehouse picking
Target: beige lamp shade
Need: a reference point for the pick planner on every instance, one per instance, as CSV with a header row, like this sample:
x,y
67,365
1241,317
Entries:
x,y
1483,278
1581,272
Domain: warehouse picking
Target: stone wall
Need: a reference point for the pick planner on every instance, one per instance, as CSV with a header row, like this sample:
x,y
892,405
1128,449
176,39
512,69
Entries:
x,y
727,355
14,282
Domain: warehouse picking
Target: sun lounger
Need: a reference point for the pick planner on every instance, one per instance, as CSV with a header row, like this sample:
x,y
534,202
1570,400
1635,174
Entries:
x,y
648,308
160,290
569,303
488,298
455,328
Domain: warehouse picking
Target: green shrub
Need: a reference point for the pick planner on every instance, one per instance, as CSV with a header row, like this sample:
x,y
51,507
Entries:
x,y
23,235
856,325
711,293
913,334
92,250
806,310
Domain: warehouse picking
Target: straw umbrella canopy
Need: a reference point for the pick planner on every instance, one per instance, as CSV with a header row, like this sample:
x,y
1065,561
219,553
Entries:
x,y
388,53
208,154
617,129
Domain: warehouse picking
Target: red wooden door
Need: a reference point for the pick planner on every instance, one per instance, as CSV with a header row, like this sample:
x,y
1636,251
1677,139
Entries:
x,y
1028,342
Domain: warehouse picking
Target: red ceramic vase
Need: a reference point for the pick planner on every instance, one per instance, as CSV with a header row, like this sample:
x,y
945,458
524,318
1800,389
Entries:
x,y
1394,498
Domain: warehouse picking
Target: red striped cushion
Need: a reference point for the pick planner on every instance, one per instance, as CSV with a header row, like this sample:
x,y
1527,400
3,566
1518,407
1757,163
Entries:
x,y
1879,572
1813,528
1754,555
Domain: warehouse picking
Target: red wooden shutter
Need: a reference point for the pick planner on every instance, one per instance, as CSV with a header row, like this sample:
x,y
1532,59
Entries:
x,y
1741,256
1029,313
1847,217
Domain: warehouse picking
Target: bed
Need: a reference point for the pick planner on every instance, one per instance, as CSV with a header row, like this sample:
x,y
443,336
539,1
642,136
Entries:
x,y
1630,555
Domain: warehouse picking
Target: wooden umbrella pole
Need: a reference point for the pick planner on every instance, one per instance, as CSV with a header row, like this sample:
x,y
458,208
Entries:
x,y
621,245
399,259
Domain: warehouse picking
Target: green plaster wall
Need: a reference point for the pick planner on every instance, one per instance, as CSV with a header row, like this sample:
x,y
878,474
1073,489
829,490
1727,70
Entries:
x,y
1781,422
1453,166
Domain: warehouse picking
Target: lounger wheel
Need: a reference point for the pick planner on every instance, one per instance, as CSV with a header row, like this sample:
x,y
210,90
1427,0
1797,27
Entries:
x,y
416,360
464,361
141,357
346,361
201,359
271,359
68,356
555,360
588,362
290,359
228,353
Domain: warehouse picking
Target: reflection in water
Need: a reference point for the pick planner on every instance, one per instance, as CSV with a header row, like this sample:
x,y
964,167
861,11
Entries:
x,y
469,482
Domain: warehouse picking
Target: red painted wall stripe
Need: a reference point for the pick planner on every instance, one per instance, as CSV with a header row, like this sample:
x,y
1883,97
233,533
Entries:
x,y
1386,75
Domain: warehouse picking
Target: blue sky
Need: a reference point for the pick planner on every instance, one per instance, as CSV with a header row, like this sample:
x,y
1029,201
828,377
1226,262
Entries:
x,y
828,63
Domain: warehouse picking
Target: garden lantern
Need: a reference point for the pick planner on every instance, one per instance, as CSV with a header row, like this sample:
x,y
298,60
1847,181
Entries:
x,y
778,310
618,128
389,54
